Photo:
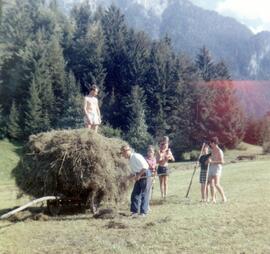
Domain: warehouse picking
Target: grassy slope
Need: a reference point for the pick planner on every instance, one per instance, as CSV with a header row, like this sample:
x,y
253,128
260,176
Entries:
x,y
178,226
8,159
245,149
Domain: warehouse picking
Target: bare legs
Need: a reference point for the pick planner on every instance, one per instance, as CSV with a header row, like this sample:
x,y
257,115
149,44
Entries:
x,y
204,192
93,127
215,184
163,181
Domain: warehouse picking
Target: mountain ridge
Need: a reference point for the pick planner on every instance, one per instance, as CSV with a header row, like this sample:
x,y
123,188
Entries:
x,y
191,27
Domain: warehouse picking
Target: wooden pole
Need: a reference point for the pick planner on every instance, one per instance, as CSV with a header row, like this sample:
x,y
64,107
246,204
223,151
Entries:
x,y
206,181
6,215
194,171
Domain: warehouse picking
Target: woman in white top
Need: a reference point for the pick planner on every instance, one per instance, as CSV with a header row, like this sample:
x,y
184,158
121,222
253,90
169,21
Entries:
x,y
92,117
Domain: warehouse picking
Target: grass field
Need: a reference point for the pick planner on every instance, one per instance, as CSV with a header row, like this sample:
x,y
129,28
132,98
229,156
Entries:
x,y
178,225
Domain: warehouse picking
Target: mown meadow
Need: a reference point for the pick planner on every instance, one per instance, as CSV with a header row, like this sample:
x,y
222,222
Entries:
x,y
178,225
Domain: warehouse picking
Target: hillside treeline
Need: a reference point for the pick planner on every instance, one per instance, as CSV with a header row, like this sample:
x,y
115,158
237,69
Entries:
x,y
48,61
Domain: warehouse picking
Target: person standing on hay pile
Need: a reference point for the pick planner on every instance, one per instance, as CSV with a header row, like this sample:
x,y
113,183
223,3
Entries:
x,y
204,163
164,156
142,176
92,116
215,170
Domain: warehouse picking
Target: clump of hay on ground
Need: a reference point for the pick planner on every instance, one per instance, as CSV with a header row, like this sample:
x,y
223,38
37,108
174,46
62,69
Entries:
x,y
106,213
73,163
116,225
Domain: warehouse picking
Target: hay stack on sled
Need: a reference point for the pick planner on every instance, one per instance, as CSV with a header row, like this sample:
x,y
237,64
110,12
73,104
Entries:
x,y
73,163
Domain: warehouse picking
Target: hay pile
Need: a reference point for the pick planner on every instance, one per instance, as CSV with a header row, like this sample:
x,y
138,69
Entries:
x,y
73,163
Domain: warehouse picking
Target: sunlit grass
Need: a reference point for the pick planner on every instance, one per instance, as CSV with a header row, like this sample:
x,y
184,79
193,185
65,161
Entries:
x,y
178,225
8,159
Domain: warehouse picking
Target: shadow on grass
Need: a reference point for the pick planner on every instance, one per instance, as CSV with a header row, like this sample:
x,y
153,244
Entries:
x,y
18,145
172,199
6,226
42,214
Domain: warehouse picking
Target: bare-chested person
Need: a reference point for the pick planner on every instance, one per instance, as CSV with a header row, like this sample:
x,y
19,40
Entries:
x,y
163,156
92,117
215,170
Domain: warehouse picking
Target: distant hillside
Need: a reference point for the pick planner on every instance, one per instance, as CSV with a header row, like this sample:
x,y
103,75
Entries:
x,y
191,27
254,96
259,60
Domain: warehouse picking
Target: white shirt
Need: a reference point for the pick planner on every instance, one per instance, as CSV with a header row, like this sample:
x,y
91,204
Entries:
x,y
92,104
137,162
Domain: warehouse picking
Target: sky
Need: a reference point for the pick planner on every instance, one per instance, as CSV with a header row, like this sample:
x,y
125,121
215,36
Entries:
x,y
254,14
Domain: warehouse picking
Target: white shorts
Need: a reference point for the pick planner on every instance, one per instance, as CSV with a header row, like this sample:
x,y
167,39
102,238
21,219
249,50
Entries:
x,y
92,119
215,170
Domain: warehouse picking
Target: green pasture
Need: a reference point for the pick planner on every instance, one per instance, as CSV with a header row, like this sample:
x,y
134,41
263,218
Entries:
x,y
178,225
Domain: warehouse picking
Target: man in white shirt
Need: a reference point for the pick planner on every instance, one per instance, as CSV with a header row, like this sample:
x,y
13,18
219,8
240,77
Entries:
x,y
142,176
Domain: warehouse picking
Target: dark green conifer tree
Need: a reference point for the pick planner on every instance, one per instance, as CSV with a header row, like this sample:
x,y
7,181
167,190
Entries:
x,y
1,10
56,67
73,114
205,65
222,71
2,124
138,135
15,30
115,63
13,127
33,113
182,98
160,75
86,50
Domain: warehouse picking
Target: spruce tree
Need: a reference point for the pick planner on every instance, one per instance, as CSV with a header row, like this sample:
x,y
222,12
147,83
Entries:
x,y
2,124
222,71
86,58
138,135
205,65
182,98
33,114
134,71
137,56
109,110
13,127
1,10
15,30
56,81
82,15
160,74
43,82
115,62
73,114
44,61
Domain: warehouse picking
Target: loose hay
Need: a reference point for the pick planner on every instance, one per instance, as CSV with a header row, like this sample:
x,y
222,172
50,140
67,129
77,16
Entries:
x,y
116,225
107,213
73,163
